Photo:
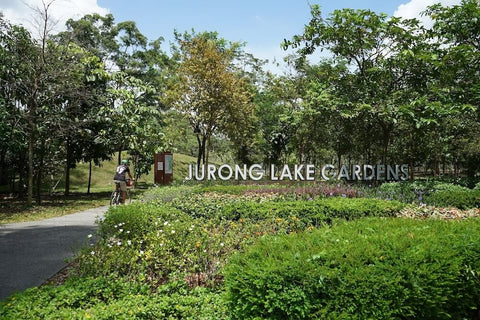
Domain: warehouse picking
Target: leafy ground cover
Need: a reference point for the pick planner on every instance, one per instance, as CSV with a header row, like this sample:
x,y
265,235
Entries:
x,y
365,269
170,255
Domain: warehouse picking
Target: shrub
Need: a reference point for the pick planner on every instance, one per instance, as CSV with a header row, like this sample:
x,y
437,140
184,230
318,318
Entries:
x,y
158,250
458,197
106,298
406,191
467,182
432,192
157,243
127,222
317,212
367,269
261,206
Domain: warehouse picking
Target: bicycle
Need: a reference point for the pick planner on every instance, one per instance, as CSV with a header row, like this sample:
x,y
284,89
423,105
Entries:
x,y
116,197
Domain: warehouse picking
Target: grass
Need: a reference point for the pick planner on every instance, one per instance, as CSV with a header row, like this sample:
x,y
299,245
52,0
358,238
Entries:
x,y
13,210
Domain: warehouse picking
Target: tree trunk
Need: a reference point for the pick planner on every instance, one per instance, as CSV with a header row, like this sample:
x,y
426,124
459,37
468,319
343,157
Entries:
x,y
204,141
436,162
67,169
39,174
200,153
120,149
411,153
3,168
11,182
39,185
31,142
206,151
21,176
89,176
386,129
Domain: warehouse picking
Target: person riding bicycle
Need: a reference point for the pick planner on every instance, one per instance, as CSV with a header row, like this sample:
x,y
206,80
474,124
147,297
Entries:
x,y
120,178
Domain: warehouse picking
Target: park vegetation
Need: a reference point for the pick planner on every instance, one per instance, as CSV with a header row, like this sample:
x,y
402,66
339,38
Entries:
x,y
273,251
391,91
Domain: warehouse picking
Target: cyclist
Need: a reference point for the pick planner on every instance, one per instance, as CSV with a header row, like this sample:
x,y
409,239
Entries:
x,y
120,178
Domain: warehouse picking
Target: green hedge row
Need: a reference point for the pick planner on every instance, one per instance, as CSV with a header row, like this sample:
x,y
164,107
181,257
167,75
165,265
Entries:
x,y
377,268
315,212
432,193
461,199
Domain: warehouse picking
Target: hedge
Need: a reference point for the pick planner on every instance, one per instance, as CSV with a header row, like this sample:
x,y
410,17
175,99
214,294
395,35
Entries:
x,y
378,268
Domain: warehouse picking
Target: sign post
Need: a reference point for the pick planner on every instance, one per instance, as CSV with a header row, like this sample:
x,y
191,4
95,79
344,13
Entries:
x,y
163,168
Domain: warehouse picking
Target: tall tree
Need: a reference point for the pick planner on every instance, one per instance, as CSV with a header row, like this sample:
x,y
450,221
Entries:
x,y
388,59
456,33
17,53
209,90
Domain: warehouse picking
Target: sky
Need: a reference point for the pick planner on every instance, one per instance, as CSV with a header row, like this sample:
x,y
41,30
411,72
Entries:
x,y
261,24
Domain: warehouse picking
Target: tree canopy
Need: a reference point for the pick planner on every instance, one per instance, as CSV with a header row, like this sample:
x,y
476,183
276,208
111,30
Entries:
x,y
391,91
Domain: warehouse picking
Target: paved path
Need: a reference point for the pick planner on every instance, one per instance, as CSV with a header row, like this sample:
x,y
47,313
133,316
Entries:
x,y
32,252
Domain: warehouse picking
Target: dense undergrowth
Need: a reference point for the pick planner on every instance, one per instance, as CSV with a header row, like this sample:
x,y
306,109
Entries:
x,y
275,251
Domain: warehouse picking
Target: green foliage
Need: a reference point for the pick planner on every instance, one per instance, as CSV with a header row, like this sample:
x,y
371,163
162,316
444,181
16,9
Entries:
x,y
144,240
371,101
458,197
312,212
431,192
155,244
108,298
164,257
216,100
135,217
366,269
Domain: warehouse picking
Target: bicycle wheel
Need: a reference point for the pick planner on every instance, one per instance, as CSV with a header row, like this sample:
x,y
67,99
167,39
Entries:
x,y
115,198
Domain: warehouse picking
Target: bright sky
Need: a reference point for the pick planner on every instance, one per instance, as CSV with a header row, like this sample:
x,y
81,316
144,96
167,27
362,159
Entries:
x,y
262,24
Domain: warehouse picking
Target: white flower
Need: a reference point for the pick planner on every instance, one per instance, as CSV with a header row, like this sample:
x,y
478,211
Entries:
x,y
129,242
165,223
90,235
173,231
119,243
121,230
92,253
222,244
141,252
128,231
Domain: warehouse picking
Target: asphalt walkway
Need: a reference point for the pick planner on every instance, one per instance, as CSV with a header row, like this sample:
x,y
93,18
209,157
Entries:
x,y
32,252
